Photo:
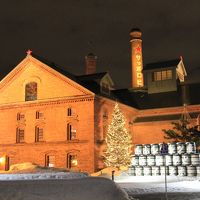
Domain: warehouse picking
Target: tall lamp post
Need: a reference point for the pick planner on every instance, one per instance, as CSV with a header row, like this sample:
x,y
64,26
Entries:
x,y
164,152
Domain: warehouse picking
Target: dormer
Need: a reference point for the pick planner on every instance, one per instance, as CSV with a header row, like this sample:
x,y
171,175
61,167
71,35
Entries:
x,y
99,83
163,76
106,84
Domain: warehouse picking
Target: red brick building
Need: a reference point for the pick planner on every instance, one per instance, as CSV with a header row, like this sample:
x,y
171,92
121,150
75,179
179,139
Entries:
x,y
53,118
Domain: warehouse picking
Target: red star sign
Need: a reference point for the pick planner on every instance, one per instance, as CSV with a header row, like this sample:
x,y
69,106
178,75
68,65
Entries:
x,y
138,49
29,52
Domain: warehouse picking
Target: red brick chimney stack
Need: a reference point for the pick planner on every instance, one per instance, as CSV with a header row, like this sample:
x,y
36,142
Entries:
x,y
91,62
136,57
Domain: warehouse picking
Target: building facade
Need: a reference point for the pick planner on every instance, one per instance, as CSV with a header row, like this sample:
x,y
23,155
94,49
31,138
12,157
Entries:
x,y
53,118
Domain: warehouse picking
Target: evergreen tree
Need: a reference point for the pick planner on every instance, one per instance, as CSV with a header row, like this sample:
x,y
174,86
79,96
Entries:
x,y
182,132
118,140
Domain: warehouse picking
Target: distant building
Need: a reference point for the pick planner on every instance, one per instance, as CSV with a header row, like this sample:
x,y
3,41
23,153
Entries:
x,y
53,118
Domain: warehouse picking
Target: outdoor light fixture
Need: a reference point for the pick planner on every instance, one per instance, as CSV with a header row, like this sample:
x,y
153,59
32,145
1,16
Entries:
x,y
2,160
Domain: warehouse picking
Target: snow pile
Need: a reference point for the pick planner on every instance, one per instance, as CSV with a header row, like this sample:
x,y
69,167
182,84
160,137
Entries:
x,y
107,172
28,167
88,188
29,171
36,176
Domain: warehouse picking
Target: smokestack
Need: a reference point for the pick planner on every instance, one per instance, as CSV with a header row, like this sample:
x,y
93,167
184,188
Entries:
x,y
91,62
136,57
198,122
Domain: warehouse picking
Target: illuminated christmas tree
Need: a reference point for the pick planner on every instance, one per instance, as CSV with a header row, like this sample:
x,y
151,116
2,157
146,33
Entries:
x,y
118,140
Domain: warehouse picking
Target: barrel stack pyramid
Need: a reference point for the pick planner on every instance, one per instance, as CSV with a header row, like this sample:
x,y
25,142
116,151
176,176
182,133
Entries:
x,y
181,159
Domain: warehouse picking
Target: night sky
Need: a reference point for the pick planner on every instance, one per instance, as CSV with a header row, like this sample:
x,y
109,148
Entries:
x,y
64,31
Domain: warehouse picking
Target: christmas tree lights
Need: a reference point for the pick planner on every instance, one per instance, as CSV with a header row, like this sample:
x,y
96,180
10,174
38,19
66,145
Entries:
x,y
118,140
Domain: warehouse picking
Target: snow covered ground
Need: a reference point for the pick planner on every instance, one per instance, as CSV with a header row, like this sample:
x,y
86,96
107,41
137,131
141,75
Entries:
x,y
153,187
78,186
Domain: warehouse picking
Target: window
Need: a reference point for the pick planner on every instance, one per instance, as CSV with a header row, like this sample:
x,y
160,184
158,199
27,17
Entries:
x,y
50,161
19,135
31,91
20,116
162,75
105,88
69,112
71,133
39,115
72,161
105,124
38,134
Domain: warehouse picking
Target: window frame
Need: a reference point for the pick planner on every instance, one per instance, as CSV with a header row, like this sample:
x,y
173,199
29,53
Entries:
x,y
20,135
71,133
70,158
162,75
39,136
47,160
31,91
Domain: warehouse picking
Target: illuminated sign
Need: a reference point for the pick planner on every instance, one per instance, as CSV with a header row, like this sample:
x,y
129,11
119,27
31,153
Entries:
x,y
138,66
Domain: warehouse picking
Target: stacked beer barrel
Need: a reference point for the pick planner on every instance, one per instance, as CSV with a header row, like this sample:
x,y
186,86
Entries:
x,y
180,160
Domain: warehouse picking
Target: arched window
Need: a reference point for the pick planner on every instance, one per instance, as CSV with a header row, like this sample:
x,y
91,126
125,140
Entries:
x,y
39,134
71,132
72,161
31,91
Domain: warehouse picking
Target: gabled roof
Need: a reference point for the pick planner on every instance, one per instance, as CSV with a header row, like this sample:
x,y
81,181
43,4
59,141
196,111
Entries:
x,y
54,66
47,66
162,64
93,81
91,77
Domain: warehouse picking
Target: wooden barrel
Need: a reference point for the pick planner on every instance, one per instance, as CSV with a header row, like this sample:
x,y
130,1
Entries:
x,y
131,171
168,160
162,170
173,170
195,159
155,149
159,160
161,146
190,147
146,149
186,159
147,170
142,160
176,158
138,149
151,160
155,170
182,171
135,160
139,171
191,170
181,147
172,148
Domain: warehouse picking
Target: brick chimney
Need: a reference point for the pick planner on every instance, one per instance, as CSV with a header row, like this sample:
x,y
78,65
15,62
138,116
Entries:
x,y
136,57
91,62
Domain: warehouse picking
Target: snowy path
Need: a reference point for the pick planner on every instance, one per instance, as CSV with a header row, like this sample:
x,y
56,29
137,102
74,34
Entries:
x,y
153,188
